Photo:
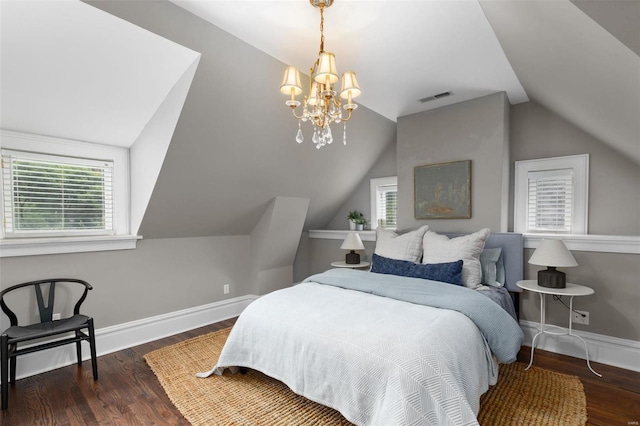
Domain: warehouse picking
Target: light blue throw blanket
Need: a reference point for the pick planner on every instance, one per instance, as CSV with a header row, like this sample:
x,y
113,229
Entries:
x,y
500,330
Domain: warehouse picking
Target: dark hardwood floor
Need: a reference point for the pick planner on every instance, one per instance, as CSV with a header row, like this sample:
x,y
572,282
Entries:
x,y
128,393
612,400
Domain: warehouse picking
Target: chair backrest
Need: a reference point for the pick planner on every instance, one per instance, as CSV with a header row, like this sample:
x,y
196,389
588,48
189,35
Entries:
x,y
46,311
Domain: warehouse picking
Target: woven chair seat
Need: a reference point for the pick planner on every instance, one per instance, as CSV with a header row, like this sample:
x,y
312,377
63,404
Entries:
x,y
35,331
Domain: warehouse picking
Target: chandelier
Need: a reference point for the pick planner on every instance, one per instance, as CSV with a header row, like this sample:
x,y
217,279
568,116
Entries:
x,y
322,106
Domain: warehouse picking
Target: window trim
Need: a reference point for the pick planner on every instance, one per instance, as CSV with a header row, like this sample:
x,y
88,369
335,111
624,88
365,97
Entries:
x,y
375,183
71,148
580,165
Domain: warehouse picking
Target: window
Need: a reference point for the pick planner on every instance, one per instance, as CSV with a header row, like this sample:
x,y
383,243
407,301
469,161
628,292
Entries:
x,y
551,195
47,195
384,202
62,196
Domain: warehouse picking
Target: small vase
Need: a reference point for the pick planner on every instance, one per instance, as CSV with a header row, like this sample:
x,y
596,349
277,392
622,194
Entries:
x,y
352,225
359,227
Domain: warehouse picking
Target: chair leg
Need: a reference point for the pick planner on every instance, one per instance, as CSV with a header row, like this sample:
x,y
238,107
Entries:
x,y
12,363
79,348
4,369
92,346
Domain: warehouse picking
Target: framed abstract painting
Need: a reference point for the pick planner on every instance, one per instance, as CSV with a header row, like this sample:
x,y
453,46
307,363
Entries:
x,y
443,191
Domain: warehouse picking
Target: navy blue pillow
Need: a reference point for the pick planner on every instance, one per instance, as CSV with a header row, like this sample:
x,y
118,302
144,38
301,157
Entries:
x,y
450,272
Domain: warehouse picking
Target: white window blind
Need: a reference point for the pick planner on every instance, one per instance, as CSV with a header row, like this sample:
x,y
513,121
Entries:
x,y
387,205
552,195
550,201
50,195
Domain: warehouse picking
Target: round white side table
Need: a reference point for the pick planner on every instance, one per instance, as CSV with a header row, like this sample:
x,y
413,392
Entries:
x,y
571,291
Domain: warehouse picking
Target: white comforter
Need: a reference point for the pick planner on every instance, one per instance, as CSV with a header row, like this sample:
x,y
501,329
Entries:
x,y
377,360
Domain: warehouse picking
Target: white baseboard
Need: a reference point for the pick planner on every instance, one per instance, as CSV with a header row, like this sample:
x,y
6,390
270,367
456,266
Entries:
x,y
608,350
122,336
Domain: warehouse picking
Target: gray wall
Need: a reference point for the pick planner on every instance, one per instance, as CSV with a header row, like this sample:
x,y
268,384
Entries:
x,y
614,209
360,200
534,132
613,308
315,255
274,243
160,276
614,198
475,130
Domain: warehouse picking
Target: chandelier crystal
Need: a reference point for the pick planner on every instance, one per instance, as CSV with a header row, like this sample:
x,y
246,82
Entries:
x,y
323,104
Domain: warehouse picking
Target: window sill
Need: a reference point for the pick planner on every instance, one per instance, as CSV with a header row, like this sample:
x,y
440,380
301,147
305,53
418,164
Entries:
x,y
39,246
367,235
590,242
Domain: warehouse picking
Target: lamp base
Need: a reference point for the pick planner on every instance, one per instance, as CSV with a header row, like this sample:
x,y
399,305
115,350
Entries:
x,y
352,258
552,278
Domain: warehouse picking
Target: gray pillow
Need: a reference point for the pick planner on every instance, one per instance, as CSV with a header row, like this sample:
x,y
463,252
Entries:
x,y
493,273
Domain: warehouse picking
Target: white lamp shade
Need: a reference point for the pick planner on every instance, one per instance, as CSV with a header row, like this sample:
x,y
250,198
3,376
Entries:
x,y
352,242
349,85
552,253
291,81
327,69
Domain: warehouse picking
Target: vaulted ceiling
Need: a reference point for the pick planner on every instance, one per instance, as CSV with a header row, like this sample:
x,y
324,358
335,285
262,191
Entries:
x,y
233,148
59,57
579,59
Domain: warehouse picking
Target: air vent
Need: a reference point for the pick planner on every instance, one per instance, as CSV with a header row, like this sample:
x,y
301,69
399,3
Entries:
x,y
434,97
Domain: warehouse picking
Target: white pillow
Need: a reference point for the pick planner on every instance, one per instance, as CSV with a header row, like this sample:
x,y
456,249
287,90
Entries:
x,y
439,249
406,246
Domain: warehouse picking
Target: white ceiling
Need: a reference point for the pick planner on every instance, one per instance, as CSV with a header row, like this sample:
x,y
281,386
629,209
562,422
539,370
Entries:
x,y
578,59
53,71
582,66
402,51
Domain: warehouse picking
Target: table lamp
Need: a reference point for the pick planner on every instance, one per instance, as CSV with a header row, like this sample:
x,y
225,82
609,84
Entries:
x,y
352,242
552,254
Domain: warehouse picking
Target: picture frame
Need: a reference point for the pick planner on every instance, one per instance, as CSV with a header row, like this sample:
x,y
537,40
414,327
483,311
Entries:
x,y
443,190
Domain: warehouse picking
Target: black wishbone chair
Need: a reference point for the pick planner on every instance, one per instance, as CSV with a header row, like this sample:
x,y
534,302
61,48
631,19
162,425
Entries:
x,y
16,334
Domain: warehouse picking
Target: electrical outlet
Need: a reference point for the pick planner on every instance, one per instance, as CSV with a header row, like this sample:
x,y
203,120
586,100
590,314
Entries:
x,y
226,289
580,317
55,317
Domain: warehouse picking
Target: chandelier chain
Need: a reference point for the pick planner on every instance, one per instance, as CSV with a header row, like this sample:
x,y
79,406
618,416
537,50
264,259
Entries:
x,y
321,28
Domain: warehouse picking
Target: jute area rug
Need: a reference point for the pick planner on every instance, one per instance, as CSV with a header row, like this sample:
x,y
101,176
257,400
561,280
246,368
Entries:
x,y
533,397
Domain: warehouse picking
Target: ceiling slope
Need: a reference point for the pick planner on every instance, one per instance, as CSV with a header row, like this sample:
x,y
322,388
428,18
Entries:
x,y
620,17
571,65
402,51
234,148
72,71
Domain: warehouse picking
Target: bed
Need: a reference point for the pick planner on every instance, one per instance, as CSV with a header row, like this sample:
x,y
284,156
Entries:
x,y
381,348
